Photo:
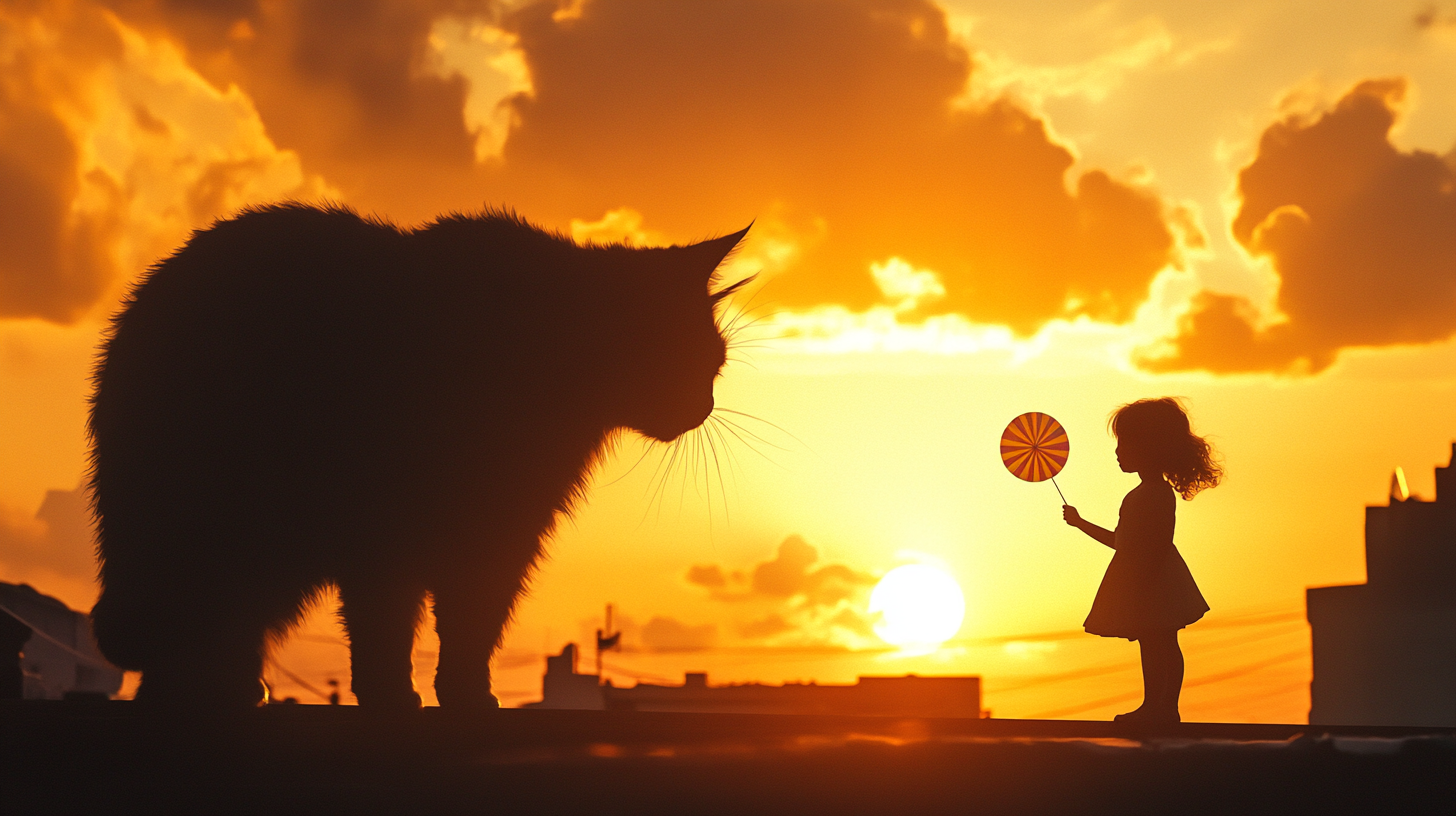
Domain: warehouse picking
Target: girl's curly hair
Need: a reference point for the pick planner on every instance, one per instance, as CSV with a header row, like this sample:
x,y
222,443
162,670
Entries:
x,y
1160,428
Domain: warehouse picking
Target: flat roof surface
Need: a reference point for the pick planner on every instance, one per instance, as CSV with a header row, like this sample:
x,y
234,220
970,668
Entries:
x,y
116,757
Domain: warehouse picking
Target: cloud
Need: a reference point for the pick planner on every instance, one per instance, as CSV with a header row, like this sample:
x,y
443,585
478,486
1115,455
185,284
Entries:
x,y
55,549
796,598
710,576
354,88
766,627
55,256
790,574
1432,20
112,148
663,634
705,115
1361,234
841,126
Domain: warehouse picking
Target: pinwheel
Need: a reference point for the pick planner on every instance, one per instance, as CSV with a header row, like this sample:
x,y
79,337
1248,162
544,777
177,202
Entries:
x,y
1034,448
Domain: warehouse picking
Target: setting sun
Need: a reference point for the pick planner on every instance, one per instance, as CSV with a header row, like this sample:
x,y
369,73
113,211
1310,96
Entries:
x,y
919,606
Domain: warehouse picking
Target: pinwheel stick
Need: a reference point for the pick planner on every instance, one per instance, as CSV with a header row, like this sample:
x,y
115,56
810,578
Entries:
x,y
1059,489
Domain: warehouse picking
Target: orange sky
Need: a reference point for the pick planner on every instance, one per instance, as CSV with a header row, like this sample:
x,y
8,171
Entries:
x,y
961,212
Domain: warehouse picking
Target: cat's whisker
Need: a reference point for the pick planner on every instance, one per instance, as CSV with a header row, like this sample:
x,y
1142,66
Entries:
x,y
737,337
659,485
745,431
744,319
747,317
648,447
700,438
718,467
688,462
716,428
764,421
739,435
758,342
725,426
681,452
661,460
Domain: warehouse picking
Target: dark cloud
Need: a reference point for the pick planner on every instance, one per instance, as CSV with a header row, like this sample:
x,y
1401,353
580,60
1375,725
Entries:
x,y
345,85
798,599
710,576
663,634
1362,235
790,574
842,118
61,544
1431,18
766,627
55,257
836,120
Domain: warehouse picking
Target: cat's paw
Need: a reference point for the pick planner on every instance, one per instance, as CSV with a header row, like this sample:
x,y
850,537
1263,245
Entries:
x,y
390,704
474,703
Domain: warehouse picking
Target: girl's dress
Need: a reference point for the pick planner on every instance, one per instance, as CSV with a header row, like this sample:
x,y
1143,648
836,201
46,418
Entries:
x,y
1148,587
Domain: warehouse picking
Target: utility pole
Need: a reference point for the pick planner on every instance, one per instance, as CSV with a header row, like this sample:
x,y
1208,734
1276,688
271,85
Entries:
x,y
606,639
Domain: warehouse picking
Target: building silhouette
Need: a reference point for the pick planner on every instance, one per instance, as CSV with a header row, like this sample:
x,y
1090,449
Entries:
x,y
1385,650
907,696
60,657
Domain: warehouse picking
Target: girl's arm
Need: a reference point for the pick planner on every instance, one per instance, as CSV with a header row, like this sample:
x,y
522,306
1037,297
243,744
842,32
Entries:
x,y
1101,534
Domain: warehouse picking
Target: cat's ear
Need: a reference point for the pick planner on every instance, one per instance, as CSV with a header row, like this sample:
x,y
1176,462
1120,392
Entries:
x,y
710,253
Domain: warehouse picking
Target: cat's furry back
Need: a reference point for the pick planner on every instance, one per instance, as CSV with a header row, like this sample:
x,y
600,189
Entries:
x,y
302,397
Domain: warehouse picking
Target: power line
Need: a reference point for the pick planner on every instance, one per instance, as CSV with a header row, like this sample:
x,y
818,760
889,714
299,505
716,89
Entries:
x,y
1234,700
1248,668
1225,622
299,680
1110,668
37,630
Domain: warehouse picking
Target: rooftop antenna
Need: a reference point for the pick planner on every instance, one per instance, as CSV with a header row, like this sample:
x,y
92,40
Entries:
x,y
606,639
1398,489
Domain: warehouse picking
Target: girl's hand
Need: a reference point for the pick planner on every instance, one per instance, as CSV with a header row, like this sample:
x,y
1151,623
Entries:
x,y
1071,516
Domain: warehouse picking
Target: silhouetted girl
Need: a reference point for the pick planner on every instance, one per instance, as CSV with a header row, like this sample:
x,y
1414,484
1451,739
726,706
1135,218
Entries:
x,y
1148,593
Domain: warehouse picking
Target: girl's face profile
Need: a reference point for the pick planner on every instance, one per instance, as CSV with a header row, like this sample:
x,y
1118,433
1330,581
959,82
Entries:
x,y
1129,456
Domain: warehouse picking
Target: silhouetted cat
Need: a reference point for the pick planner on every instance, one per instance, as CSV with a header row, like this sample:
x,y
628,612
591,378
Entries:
x,y
302,397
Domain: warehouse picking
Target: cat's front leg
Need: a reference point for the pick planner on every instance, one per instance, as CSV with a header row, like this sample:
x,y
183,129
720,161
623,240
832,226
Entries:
x,y
470,617
381,617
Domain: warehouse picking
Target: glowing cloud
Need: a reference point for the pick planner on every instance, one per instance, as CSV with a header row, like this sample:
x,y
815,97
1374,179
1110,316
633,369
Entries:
x,y
695,115
112,149
1362,236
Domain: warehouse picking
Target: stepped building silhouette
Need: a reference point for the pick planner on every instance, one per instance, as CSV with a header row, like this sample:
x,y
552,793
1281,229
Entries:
x,y
1385,650
907,696
57,654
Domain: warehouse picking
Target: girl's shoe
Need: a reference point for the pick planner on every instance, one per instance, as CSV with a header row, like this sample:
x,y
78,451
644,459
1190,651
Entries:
x,y
1137,715
1145,716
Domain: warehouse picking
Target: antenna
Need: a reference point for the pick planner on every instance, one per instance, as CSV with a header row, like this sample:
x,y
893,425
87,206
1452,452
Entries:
x,y
1398,489
606,640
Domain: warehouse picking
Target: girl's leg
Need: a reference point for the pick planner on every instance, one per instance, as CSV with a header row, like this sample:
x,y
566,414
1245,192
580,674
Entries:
x,y
1174,677
1162,674
1152,681
1152,675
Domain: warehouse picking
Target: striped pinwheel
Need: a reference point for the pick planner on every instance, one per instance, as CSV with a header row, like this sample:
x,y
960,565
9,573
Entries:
x,y
1034,448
